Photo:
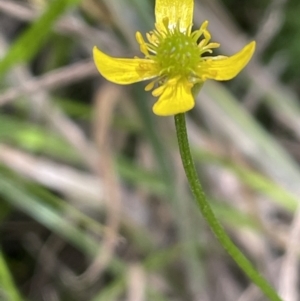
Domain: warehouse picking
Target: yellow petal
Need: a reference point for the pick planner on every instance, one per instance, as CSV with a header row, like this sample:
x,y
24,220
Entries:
x,y
176,98
174,10
124,71
225,68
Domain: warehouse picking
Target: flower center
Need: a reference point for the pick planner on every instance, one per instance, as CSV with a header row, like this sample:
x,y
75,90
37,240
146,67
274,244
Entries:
x,y
177,54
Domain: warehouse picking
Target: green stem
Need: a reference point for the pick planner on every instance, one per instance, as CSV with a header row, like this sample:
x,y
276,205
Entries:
x,y
210,217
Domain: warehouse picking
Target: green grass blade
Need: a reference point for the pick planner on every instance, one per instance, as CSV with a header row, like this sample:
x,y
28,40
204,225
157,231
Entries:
x,y
8,289
30,42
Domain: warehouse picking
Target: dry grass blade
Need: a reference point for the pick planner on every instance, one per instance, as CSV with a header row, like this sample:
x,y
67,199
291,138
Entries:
x,y
289,275
55,79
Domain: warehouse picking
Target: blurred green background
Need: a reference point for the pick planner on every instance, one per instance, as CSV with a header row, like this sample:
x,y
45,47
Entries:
x,y
94,204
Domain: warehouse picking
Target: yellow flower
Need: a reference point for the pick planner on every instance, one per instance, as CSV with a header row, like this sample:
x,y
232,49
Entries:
x,y
173,58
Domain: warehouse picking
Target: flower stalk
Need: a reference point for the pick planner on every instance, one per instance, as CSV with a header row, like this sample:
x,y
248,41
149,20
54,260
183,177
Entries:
x,y
173,59
209,215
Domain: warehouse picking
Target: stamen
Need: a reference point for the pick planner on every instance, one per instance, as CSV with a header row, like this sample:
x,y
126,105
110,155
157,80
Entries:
x,y
150,86
139,38
207,36
176,52
213,45
141,41
204,25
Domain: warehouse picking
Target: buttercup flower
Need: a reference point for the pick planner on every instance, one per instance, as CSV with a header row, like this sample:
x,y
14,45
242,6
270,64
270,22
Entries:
x,y
173,58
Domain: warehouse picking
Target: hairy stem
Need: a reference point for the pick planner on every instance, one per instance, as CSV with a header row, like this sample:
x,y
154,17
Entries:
x,y
209,215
